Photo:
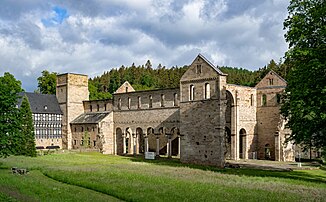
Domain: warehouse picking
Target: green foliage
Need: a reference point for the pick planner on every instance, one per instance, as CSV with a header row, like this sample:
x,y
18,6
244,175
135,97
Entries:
x,y
305,100
47,82
27,141
9,115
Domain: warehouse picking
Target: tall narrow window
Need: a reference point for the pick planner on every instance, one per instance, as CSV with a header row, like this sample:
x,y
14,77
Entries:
x,y
198,70
119,103
162,100
126,89
104,107
207,91
129,102
90,108
271,82
192,92
175,99
278,98
264,100
150,104
139,102
98,107
251,100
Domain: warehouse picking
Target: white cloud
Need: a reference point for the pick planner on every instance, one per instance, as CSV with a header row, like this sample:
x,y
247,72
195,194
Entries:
x,y
99,34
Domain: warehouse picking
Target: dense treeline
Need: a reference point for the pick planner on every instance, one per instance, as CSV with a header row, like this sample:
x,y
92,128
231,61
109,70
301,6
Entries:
x,y
142,77
146,77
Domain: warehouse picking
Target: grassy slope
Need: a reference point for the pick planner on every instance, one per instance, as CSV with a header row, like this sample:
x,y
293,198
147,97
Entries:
x,y
133,179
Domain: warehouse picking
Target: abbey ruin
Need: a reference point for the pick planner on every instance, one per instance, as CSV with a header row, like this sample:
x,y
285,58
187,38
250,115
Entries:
x,y
205,121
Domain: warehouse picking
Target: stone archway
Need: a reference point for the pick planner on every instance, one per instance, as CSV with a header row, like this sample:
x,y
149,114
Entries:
x,y
140,141
119,141
175,143
128,148
227,152
151,139
231,124
242,144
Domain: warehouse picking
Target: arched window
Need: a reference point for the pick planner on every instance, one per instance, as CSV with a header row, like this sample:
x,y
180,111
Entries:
x,y
175,99
191,92
251,100
207,92
139,102
119,103
162,100
150,104
264,100
129,102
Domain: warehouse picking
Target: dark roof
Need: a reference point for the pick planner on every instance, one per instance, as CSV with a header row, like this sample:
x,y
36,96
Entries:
x,y
42,103
211,64
90,117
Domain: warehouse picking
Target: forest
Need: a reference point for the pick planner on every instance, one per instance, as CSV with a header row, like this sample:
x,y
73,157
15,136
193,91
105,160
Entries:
x,y
145,77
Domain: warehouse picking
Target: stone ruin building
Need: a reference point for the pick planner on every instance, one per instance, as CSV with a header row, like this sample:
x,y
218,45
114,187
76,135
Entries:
x,y
204,121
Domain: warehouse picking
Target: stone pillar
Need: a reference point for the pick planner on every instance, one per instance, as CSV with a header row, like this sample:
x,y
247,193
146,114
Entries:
x,y
169,146
277,146
233,146
124,144
158,145
179,145
146,142
134,140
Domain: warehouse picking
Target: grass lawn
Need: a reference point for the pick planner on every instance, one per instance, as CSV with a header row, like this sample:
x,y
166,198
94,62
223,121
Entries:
x,y
96,177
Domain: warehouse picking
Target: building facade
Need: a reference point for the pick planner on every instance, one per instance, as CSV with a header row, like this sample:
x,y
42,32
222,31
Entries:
x,y
204,121
47,120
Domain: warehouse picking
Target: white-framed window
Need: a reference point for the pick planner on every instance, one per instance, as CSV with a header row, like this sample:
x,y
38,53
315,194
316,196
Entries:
x,y
207,93
191,92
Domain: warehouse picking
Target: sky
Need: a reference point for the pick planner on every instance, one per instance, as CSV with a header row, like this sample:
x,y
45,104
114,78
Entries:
x,y
93,36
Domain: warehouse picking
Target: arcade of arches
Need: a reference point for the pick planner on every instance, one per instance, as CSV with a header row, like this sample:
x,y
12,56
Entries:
x,y
139,141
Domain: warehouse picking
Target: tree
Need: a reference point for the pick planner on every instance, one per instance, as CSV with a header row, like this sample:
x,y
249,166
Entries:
x,y
27,142
47,82
305,99
9,115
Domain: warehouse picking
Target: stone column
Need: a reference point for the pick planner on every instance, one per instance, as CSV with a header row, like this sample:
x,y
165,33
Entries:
x,y
158,145
277,147
233,146
169,146
124,144
146,142
134,138
179,145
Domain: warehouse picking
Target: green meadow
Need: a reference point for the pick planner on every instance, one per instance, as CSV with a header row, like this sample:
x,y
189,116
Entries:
x,y
96,177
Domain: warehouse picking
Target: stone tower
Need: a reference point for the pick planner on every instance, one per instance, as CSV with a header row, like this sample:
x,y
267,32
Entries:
x,y
72,90
202,114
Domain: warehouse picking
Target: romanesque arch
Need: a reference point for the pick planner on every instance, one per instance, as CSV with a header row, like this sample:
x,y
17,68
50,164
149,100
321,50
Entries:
x,y
141,141
151,139
230,123
242,143
227,152
175,143
128,141
119,141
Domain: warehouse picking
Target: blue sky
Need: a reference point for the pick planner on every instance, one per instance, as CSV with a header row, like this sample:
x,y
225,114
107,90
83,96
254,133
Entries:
x,y
93,36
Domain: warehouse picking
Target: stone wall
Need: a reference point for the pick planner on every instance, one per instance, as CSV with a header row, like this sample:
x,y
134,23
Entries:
x,y
72,90
202,114
98,105
137,112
